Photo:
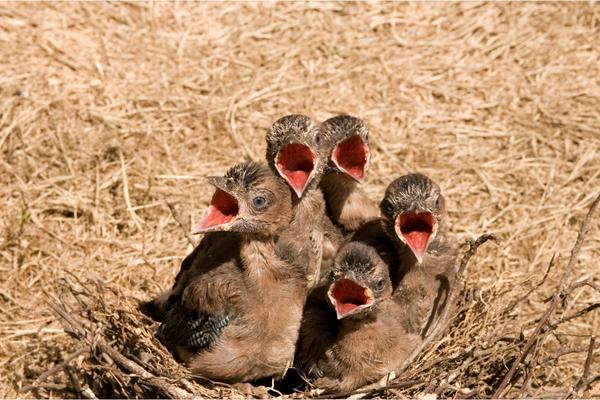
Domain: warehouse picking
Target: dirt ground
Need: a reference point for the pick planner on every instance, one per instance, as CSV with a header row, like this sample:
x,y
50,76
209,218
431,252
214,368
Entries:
x,y
109,112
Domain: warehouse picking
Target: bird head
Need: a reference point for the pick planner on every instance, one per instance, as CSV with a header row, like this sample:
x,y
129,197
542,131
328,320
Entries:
x,y
296,150
248,199
349,144
413,207
360,280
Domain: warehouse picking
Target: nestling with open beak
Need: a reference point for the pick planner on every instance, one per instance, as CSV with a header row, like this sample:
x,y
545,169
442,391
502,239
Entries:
x,y
350,334
347,204
414,210
234,312
297,151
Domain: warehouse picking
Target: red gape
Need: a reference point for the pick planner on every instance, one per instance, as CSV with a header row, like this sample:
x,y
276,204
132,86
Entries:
x,y
223,208
348,295
416,229
351,156
296,162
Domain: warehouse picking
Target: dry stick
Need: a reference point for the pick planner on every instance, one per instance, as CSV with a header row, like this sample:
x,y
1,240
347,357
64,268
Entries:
x,y
124,362
177,218
544,320
577,314
533,289
60,366
589,382
576,285
586,366
134,216
444,319
473,247
561,353
586,282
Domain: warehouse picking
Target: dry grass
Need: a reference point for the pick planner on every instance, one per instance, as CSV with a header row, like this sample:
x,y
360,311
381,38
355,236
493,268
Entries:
x,y
108,112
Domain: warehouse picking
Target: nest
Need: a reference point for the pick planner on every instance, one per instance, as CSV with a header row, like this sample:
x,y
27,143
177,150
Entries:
x,y
474,351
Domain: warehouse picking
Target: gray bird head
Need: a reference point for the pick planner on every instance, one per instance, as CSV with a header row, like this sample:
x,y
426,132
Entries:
x,y
360,280
248,199
296,150
414,208
349,145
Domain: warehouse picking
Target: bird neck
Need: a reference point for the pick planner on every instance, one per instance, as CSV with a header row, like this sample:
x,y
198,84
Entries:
x,y
336,183
259,258
308,207
351,324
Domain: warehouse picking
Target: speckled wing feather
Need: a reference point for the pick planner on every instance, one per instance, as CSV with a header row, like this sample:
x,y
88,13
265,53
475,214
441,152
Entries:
x,y
191,329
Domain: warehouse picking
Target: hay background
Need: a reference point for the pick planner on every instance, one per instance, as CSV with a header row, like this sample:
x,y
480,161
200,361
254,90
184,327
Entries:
x,y
102,105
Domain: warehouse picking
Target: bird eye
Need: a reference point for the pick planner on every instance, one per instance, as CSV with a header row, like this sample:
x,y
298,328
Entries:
x,y
259,202
438,202
318,139
380,284
387,208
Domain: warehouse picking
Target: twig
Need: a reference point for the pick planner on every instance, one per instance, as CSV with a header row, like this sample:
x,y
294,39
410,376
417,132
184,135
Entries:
x,y
533,289
586,282
60,366
177,218
152,380
473,246
583,230
134,216
370,392
561,353
578,243
580,385
589,382
577,314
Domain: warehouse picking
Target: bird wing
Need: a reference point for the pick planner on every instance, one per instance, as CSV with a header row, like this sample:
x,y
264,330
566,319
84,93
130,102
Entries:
x,y
191,329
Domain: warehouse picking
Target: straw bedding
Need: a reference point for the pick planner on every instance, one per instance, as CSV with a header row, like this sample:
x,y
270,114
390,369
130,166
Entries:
x,y
111,114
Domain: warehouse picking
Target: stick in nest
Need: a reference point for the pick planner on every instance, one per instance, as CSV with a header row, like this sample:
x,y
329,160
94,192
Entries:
x,y
78,330
583,230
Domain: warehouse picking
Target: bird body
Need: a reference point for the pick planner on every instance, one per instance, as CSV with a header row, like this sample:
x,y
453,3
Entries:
x,y
297,150
425,287
413,210
410,244
235,309
264,298
351,333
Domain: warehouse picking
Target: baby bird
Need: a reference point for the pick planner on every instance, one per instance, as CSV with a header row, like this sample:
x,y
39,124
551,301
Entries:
x,y
351,334
297,151
233,314
347,204
413,209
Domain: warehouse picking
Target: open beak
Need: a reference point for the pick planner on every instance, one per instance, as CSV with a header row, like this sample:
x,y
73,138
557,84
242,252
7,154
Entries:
x,y
416,229
222,212
296,163
351,157
348,297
